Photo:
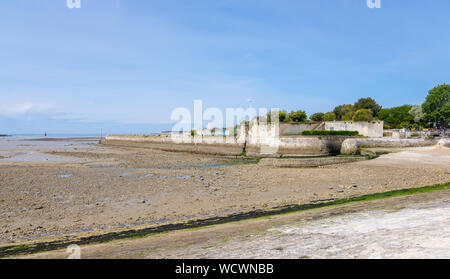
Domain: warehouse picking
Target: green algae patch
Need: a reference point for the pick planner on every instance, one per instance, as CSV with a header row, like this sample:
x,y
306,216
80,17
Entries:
x,y
14,250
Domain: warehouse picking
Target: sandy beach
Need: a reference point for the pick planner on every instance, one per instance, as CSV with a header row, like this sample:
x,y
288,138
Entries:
x,y
55,188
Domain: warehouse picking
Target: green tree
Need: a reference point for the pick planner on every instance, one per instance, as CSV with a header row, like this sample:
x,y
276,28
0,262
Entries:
x,y
368,103
282,116
404,124
363,115
417,112
317,116
329,116
396,116
348,116
344,112
436,106
298,116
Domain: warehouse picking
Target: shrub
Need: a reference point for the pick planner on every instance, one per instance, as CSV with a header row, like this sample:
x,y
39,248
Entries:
x,y
396,117
282,116
416,112
344,112
437,105
329,116
388,126
369,104
297,116
317,116
329,133
363,115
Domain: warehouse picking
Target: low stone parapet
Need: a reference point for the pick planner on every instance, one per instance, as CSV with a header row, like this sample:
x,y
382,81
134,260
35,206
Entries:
x,y
354,145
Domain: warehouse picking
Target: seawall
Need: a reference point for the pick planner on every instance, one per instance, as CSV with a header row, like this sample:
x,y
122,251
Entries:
x,y
227,146
353,146
271,147
232,146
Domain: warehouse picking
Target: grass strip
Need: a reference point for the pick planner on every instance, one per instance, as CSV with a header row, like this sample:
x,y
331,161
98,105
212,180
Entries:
x,y
329,133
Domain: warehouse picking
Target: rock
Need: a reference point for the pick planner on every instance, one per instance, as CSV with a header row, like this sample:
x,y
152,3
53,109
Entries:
x,y
350,147
444,143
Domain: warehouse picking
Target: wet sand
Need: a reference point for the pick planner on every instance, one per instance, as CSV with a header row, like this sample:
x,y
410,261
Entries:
x,y
81,187
414,226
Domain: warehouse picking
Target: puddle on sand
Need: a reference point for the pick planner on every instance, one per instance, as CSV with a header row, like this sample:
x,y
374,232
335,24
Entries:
x,y
37,157
64,175
18,143
184,177
164,176
108,167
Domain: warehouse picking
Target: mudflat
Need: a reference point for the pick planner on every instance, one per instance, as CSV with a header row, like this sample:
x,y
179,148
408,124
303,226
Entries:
x,y
58,188
397,227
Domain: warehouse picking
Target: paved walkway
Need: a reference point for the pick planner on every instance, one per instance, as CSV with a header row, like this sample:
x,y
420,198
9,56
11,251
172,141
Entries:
x,y
419,231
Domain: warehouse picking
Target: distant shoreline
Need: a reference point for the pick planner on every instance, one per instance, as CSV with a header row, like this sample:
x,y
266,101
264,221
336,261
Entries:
x,y
66,139
51,137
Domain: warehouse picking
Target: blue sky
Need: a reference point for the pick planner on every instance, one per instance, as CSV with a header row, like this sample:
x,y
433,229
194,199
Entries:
x,y
124,65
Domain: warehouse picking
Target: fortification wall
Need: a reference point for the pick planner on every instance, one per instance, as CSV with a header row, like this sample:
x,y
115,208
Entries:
x,y
373,129
181,138
287,146
233,146
228,146
354,145
294,129
309,145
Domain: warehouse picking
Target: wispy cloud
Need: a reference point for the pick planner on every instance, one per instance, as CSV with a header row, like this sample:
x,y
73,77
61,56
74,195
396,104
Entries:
x,y
20,109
